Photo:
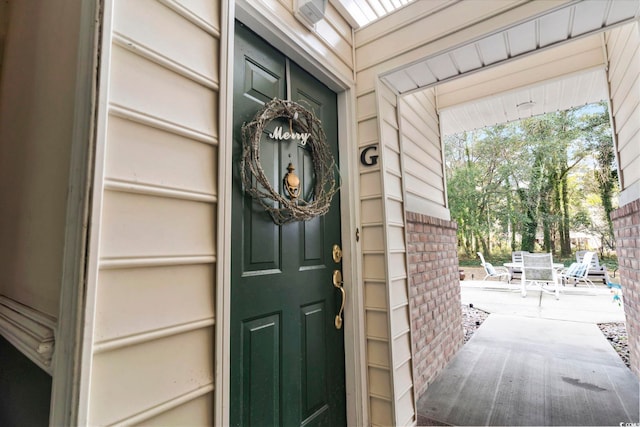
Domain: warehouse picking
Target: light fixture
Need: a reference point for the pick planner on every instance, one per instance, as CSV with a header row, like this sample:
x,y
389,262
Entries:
x,y
525,106
311,10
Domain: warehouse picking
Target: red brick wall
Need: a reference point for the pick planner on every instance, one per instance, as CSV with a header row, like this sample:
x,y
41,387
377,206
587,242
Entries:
x,y
436,313
626,224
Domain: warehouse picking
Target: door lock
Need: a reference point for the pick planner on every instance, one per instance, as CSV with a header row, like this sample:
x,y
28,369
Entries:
x,y
336,253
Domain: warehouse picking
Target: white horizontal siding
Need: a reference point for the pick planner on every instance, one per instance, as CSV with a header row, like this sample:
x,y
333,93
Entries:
x,y
154,36
134,379
392,158
623,47
142,155
373,241
367,132
397,262
417,130
379,382
630,153
623,59
423,205
371,212
329,39
375,295
334,34
204,13
136,83
402,348
395,212
137,225
366,106
377,324
405,405
381,411
386,294
374,273
147,300
422,181
195,412
333,30
378,352
395,237
374,268
393,187
400,324
156,283
422,155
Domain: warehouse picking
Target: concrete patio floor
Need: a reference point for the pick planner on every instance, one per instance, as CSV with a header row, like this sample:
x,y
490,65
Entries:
x,y
535,361
577,304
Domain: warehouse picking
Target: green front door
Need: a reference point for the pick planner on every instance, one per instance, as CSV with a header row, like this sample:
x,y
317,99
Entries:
x,y
287,357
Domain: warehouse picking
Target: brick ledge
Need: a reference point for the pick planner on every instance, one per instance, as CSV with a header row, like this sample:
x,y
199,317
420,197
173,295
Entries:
x,y
429,220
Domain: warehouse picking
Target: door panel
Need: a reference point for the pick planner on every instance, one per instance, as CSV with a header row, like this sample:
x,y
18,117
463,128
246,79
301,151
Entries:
x,y
260,83
262,237
313,357
263,78
287,357
261,363
323,373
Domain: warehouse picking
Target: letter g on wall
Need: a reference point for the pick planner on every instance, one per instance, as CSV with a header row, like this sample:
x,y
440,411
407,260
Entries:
x,y
369,159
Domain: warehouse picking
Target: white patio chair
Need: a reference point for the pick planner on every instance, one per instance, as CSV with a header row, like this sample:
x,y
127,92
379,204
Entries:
x,y
537,269
516,257
491,271
595,268
579,271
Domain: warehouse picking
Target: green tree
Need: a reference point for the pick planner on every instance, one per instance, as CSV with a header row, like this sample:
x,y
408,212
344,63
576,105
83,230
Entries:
x,y
597,132
525,177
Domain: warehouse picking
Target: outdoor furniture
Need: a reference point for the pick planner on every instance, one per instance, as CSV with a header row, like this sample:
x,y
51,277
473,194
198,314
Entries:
x,y
579,271
516,258
557,265
491,271
595,269
538,270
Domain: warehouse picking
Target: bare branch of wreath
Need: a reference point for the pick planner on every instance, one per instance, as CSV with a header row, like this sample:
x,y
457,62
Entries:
x,y
285,210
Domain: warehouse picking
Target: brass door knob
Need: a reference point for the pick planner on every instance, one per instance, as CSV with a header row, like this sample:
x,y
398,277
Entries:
x,y
337,283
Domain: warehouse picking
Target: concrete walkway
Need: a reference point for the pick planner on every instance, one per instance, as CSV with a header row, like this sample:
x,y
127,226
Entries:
x,y
537,362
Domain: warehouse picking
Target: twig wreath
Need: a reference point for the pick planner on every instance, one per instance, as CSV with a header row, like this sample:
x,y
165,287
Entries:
x,y
292,208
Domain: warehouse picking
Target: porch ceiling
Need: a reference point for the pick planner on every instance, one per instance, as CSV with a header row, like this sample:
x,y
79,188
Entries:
x,y
558,30
566,23
552,95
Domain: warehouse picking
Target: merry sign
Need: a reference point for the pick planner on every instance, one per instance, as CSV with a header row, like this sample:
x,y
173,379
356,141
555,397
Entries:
x,y
280,135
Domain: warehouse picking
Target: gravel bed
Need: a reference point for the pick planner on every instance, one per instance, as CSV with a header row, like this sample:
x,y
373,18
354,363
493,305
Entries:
x,y
615,333
472,318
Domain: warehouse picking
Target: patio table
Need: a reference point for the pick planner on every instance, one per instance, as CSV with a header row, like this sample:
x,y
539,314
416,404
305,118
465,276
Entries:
x,y
556,265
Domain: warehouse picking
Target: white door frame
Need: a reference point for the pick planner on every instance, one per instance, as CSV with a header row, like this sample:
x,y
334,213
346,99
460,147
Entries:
x,y
69,390
261,20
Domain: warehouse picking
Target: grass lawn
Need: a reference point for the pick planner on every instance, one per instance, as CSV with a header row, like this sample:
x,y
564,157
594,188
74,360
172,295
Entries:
x,y
610,261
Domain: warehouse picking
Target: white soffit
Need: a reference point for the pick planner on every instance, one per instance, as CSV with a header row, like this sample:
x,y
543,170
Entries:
x,y
364,12
558,94
550,29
